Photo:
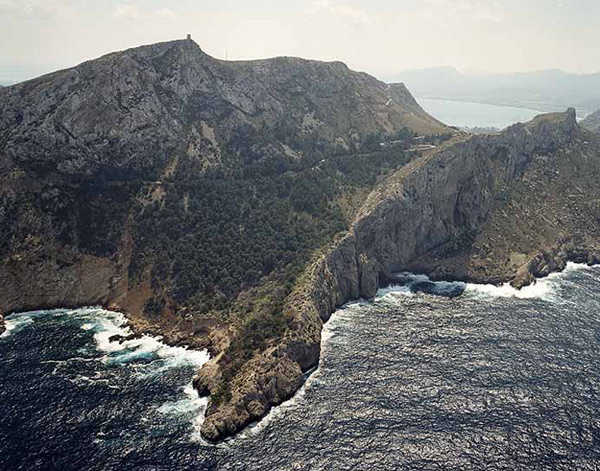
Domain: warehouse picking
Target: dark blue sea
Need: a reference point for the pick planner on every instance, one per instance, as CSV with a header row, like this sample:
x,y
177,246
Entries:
x,y
493,379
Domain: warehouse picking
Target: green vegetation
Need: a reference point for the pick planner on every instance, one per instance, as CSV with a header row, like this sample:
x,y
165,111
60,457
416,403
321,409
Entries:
x,y
221,235
207,241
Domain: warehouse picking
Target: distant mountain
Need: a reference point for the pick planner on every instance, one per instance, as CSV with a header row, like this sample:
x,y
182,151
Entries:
x,y
548,90
592,122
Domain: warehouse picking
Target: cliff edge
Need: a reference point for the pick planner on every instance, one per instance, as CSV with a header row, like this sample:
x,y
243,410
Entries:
x,y
191,193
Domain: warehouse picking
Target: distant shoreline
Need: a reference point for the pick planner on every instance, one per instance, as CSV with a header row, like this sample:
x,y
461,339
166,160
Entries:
x,y
469,114
503,105
581,114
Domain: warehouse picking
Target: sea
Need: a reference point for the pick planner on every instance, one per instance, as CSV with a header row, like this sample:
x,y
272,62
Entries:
x,y
425,376
470,115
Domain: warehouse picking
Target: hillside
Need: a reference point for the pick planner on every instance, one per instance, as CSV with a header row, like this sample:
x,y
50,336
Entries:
x,y
137,110
234,205
592,122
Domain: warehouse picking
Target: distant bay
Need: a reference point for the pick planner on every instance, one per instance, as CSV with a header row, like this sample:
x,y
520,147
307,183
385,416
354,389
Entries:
x,y
467,114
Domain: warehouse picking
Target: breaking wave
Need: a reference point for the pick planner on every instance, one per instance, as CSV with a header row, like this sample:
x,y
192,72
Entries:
x,y
409,284
14,323
407,381
146,355
543,288
145,347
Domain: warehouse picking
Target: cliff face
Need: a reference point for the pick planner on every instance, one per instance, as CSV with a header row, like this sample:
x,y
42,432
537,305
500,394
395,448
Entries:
x,y
87,152
439,215
451,194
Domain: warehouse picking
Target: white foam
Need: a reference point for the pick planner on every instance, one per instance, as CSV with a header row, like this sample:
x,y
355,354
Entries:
x,y
393,291
409,280
328,333
543,288
540,289
332,327
14,324
107,324
106,328
277,411
192,403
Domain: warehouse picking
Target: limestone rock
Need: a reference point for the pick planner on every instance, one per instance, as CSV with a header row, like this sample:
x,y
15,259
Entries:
x,y
166,113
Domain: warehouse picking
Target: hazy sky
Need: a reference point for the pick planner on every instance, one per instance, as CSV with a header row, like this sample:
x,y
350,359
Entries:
x,y
382,37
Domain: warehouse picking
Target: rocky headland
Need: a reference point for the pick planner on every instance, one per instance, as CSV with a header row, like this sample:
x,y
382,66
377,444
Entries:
x,y
234,205
506,207
89,154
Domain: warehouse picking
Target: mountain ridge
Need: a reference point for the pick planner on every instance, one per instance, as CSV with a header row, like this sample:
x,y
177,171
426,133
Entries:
x,y
124,182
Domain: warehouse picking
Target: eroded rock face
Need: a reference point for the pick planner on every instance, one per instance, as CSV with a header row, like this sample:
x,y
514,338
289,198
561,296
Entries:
x,y
77,145
89,281
128,113
2,326
426,218
161,112
451,192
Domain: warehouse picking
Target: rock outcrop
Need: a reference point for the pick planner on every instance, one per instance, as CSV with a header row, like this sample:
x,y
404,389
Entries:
x,y
431,217
77,145
126,115
59,282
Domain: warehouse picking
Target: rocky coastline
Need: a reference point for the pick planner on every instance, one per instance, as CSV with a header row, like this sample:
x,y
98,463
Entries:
x,y
420,219
433,202
407,223
96,166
